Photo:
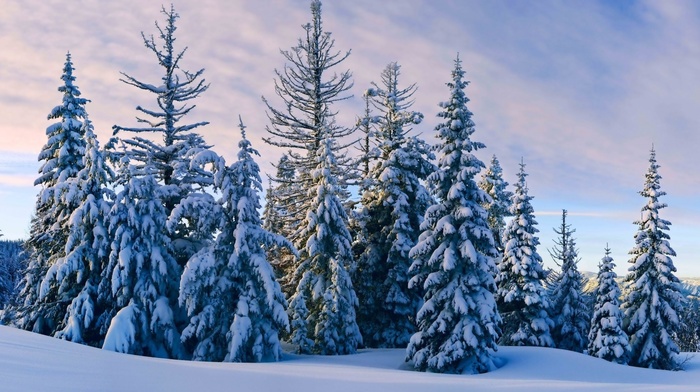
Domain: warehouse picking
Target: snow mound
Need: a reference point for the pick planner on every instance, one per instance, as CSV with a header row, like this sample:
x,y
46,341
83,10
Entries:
x,y
31,362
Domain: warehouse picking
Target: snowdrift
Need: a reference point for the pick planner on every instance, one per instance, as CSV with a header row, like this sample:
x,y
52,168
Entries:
x,y
31,362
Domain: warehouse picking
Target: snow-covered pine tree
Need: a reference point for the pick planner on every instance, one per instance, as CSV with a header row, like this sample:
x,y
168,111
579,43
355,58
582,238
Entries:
x,y
453,260
279,218
77,274
274,214
170,157
569,309
522,300
368,153
308,92
62,159
394,202
146,259
494,185
367,146
322,308
141,279
235,305
652,299
607,339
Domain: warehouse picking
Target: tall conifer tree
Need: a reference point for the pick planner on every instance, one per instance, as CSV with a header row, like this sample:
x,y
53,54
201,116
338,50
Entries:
x,y
323,306
279,217
155,174
235,305
522,300
569,309
165,143
78,274
62,160
394,203
498,208
308,90
453,260
652,299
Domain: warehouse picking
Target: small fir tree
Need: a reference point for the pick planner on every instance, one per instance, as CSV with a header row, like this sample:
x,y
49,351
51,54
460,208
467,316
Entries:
x,y
494,185
652,300
236,307
522,300
569,309
453,260
607,339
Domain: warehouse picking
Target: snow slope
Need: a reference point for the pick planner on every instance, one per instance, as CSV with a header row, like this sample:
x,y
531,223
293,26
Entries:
x,y
31,362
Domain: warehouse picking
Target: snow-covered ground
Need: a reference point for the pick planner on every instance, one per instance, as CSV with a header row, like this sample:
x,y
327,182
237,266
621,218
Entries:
x,y
31,362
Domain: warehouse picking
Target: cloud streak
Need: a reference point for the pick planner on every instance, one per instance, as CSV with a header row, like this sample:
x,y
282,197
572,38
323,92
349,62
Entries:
x,y
579,90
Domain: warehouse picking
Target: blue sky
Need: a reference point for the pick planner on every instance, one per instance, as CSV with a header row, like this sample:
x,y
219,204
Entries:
x,y
578,89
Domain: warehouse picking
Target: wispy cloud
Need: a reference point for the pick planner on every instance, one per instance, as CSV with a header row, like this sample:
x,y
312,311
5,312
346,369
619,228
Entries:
x,y
580,89
584,214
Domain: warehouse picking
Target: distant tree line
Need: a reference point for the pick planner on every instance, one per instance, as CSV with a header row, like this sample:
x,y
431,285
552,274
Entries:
x,y
155,245
12,265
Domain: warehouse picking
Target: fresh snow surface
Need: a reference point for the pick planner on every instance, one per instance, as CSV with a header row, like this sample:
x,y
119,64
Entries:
x,y
31,362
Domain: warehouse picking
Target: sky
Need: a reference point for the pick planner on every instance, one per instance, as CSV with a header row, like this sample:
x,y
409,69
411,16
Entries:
x,y
578,90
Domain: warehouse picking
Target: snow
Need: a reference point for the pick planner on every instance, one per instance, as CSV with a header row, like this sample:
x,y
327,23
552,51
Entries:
x,y
32,362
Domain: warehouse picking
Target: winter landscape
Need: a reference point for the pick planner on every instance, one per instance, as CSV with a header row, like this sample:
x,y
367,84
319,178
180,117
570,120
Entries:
x,y
335,245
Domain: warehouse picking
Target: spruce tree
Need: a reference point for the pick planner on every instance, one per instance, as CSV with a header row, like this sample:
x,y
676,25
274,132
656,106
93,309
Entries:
x,y
274,213
279,218
322,305
394,203
494,185
77,275
156,175
367,146
652,299
140,282
308,92
522,300
453,260
62,160
607,339
322,308
235,305
165,143
569,309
